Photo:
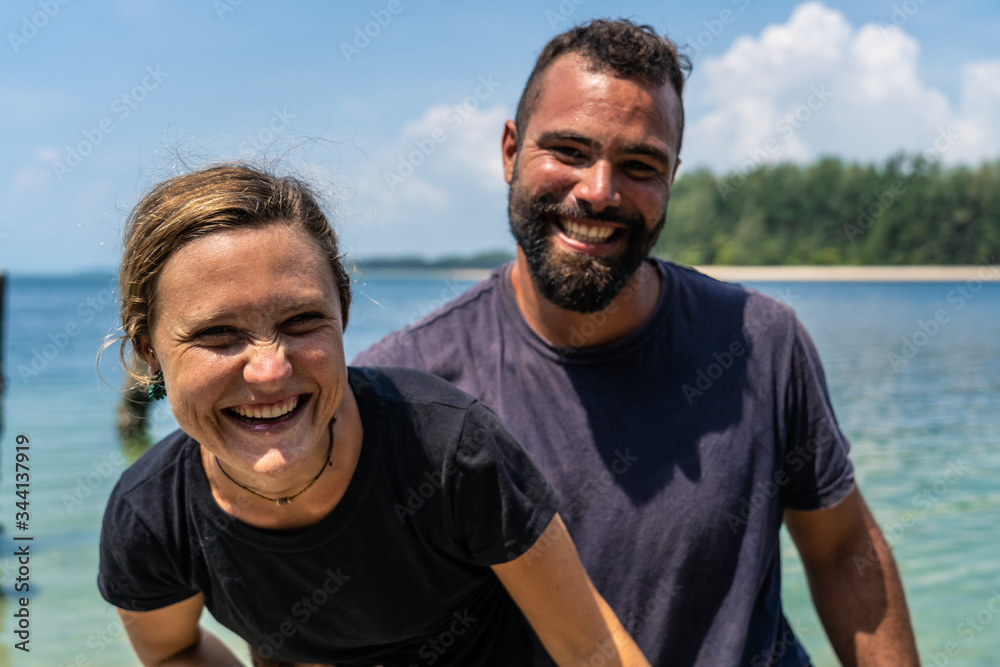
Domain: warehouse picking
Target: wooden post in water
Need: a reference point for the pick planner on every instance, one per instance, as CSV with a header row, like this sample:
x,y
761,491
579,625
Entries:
x,y
3,324
132,414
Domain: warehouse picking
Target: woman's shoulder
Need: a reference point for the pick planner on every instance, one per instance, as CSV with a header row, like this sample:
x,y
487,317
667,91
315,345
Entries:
x,y
408,385
161,467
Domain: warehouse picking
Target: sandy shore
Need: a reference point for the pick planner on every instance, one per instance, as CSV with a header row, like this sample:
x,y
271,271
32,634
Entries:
x,y
944,274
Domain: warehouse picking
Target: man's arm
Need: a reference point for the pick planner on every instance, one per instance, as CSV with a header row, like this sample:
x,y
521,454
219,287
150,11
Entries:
x,y
570,617
855,584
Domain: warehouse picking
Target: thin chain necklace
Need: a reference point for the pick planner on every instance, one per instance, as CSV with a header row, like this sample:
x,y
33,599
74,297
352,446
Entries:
x,y
285,500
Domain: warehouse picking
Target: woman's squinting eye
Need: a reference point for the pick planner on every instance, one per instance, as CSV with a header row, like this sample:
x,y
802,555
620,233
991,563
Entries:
x,y
303,321
216,335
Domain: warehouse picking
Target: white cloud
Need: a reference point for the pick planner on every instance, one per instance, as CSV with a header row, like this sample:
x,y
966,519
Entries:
x,y
816,85
429,188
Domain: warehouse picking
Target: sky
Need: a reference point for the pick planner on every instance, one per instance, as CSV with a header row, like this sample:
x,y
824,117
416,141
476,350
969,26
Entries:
x,y
393,109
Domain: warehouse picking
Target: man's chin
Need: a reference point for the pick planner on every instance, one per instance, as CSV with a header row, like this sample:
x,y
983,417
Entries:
x,y
579,289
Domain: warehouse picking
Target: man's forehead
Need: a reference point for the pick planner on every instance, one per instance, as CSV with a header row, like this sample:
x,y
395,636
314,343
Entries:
x,y
572,82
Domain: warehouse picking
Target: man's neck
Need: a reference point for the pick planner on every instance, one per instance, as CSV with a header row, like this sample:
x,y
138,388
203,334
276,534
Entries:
x,y
566,328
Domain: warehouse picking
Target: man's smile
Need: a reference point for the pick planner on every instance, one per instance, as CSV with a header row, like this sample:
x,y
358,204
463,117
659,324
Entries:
x,y
585,231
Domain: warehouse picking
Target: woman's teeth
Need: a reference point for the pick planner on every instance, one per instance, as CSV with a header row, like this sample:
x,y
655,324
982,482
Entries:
x,y
266,411
587,233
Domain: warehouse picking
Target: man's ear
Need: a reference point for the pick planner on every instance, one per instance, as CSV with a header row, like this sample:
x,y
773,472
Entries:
x,y
673,176
508,146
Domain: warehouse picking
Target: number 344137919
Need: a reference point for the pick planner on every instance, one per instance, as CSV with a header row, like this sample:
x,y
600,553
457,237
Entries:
x,y
22,476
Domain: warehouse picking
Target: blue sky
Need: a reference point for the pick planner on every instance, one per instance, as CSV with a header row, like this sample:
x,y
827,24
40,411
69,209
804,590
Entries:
x,y
401,127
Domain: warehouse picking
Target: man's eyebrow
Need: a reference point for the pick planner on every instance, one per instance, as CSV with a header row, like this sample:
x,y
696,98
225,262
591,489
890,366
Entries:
x,y
649,151
637,149
556,135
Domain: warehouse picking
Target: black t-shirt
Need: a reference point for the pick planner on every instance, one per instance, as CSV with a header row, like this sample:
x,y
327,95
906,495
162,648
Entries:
x,y
397,574
675,450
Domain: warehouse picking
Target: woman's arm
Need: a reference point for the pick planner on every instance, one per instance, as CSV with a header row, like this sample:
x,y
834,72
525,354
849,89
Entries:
x,y
571,618
172,637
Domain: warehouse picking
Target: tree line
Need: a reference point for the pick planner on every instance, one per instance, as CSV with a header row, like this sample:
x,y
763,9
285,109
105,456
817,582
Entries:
x,y
905,211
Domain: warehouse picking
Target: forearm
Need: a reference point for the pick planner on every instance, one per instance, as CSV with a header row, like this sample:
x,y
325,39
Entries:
x,y
860,600
571,618
210,651
628,653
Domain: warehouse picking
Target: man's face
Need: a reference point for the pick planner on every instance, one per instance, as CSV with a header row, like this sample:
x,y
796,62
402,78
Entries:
x,y
589,181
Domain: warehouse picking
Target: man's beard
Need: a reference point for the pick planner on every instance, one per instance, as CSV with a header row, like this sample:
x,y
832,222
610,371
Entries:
x,y
576,281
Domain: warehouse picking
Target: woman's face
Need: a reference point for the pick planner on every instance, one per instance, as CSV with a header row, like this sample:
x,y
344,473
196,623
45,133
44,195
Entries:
x,y
248,334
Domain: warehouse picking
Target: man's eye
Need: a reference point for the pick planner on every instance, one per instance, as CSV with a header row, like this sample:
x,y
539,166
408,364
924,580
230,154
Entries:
x,y
568,152
640,169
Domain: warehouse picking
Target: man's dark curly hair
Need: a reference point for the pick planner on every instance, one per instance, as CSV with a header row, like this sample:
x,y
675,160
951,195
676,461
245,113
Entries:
x,y
621,48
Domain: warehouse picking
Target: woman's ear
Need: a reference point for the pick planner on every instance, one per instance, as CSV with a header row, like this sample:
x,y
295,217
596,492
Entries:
x,y
148,354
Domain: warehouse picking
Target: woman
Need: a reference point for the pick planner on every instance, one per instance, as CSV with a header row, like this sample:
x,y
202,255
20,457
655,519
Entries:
x,y
325,514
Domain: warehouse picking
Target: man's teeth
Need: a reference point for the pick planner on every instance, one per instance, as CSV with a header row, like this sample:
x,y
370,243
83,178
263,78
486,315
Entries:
x,y
586,233
267,411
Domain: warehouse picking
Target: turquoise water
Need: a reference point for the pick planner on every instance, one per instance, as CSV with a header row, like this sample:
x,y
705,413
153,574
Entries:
x,y
925,440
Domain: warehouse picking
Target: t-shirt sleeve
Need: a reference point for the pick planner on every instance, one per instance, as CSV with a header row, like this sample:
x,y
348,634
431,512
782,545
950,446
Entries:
x,y
135,571
816,459
501,501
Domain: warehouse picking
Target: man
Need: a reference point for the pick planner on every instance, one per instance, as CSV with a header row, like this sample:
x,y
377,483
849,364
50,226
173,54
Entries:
x,y
680,418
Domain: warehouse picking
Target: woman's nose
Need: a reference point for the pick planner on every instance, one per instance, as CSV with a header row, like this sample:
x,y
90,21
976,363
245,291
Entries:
x,y
267,364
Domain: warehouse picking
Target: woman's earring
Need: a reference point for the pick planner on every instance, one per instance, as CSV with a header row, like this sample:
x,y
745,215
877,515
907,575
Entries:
x,y
156,389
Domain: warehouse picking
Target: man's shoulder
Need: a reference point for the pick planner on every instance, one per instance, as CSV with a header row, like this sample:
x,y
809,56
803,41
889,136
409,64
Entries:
x,y
472,314
698,291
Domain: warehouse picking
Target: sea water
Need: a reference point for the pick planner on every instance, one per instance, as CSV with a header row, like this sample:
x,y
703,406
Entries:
x,y
913,371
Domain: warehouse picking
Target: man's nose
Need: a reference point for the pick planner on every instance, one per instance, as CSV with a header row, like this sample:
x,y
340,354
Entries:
x,y
597,186
267,364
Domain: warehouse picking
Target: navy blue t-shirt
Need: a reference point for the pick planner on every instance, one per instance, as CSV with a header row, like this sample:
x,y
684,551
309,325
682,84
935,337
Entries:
x,y
675,450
